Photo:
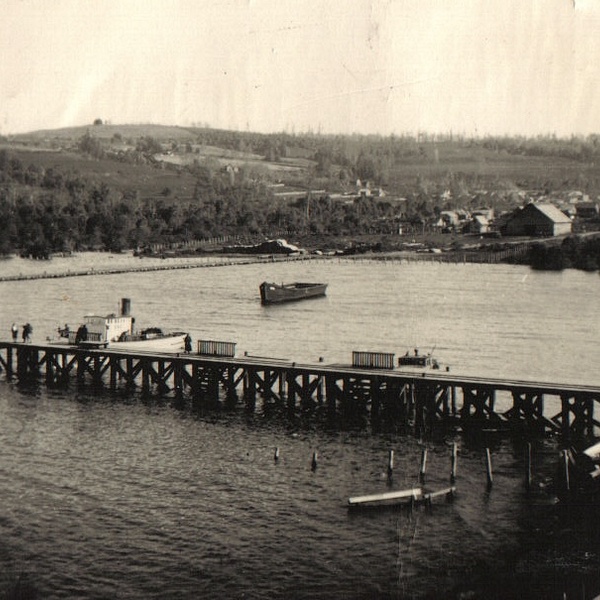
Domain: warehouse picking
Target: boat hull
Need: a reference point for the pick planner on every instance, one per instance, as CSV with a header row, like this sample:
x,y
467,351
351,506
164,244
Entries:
x,y
167,343
272,293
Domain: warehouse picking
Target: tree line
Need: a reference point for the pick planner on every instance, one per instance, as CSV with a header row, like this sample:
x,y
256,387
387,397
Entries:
x,y
44,211
574,252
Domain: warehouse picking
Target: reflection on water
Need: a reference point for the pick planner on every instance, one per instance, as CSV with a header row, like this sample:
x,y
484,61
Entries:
x,y
117,497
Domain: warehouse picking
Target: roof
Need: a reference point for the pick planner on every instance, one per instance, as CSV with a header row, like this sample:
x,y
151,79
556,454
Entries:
x,y
550,211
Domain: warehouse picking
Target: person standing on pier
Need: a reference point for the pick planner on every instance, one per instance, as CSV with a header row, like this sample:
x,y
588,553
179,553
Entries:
x,y
15,332
188,343
27,330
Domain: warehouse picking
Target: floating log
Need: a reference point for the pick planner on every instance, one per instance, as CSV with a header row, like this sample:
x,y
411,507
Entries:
x,y
386,498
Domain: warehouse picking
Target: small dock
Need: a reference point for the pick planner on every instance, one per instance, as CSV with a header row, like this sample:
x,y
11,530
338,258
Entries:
x,y
381,394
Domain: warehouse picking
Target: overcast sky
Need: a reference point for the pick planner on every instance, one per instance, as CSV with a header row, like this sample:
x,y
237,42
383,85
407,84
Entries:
x,y
336,66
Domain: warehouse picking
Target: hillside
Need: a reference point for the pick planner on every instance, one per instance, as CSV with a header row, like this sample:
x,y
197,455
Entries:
x,y
399,164
111,186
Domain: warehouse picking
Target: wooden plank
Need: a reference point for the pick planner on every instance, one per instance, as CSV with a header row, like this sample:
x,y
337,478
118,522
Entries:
x,y
399,495
444,492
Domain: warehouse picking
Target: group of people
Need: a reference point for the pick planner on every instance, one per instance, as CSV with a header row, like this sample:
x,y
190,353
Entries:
x,y
26,332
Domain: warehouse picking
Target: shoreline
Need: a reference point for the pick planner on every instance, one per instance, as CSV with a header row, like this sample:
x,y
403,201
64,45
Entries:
x,y
226,260
149,268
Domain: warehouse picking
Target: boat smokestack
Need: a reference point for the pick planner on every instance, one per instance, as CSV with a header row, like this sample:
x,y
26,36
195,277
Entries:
x,y
125,307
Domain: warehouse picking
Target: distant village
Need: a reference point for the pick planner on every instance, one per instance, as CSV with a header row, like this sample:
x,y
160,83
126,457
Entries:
x,y
299,195
538,215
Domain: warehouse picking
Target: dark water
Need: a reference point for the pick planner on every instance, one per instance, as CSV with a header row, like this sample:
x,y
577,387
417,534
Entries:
x,y
112,497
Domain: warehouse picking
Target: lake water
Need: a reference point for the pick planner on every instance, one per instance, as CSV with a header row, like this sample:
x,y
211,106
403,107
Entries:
x,y
104,497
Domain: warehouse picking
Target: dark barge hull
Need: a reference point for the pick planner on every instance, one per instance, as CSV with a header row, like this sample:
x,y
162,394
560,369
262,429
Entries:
x,y
273,293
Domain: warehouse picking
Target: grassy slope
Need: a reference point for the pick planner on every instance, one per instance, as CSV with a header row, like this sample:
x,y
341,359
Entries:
x,y
160,132
494,170
148,180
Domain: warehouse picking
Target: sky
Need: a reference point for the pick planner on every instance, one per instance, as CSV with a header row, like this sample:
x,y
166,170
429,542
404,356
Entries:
x,y
471,67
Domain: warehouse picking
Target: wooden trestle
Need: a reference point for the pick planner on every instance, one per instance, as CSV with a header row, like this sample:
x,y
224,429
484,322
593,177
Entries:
x,y
420,399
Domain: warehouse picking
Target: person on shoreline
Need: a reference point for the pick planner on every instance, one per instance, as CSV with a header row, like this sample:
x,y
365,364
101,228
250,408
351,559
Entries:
x,y
15,332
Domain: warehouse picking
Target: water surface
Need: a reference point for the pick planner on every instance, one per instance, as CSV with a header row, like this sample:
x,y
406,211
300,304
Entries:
x,y
106,497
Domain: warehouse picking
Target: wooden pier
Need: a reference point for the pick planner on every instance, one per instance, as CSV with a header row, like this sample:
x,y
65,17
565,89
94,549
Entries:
x,y
216,376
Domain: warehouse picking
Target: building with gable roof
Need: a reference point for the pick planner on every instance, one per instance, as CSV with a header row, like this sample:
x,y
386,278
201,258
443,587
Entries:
x,y
538,220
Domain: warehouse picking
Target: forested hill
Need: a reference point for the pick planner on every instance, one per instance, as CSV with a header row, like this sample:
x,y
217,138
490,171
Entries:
x,y
111,186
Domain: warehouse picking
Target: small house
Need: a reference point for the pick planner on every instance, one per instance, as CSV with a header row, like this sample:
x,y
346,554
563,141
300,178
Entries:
x,y
586,210
488,213
479,225
449,218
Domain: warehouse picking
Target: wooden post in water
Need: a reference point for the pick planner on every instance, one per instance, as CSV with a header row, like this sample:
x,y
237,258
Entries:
x,y
390,469
488,465
528,467
9,363
313,464
453,466
566,465
423,465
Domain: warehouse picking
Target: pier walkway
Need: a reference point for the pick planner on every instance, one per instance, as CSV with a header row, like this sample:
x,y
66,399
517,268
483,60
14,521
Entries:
x,y
346,392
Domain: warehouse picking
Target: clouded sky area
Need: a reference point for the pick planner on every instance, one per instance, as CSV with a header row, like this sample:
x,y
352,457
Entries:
x,y
479,67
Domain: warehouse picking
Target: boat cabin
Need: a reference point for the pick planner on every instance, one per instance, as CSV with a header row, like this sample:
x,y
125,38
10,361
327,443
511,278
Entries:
x,y
101,330
418,360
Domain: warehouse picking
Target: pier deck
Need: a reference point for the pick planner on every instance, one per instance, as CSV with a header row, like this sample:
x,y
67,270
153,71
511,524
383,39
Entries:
x,y
421,398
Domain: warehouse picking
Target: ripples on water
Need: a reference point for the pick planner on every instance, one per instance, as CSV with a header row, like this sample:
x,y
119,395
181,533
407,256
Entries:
x,y
117,497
